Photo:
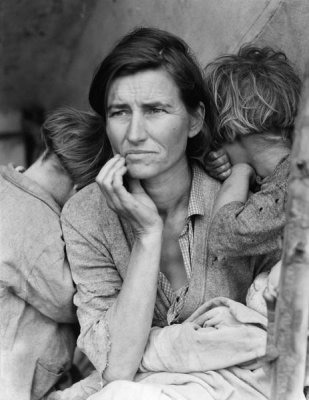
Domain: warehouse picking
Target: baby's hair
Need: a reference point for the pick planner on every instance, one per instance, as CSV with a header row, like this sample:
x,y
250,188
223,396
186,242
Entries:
x,y
253,92
76,139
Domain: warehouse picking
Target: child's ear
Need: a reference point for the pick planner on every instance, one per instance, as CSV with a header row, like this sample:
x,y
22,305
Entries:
x,y
197,120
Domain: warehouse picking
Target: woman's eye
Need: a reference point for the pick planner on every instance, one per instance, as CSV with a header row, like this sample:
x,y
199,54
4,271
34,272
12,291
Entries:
x,y
155,110
118,113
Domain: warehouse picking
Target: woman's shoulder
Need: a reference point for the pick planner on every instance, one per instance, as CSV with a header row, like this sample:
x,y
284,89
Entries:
x,y
89,203
204,183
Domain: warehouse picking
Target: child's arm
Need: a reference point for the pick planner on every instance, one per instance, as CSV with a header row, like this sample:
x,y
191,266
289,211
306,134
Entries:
x,y
252,226
236,186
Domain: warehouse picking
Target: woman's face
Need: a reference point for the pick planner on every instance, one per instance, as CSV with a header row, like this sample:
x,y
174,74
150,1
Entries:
x,y
148,124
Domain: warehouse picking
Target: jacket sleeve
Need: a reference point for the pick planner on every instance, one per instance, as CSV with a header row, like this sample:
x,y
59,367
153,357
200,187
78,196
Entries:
x,y
38,272
49,287
252,228
98,284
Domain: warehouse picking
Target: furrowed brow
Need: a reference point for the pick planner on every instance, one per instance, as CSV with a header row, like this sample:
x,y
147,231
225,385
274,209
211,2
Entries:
x,y
116,106
156,104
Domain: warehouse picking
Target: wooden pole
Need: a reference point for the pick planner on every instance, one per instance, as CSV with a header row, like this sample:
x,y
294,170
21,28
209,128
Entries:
x,y
292,310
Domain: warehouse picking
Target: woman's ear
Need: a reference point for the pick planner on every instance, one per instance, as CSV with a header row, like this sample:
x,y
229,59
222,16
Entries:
x,y
197,120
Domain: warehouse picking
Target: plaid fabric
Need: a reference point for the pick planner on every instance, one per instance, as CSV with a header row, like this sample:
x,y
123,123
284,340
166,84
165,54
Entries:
x,y
174,300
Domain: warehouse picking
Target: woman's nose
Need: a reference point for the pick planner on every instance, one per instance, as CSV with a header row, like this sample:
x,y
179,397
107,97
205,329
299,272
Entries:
x,y
136,131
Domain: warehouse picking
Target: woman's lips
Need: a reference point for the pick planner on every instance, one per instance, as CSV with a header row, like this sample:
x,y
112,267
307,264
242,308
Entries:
x,y
138,153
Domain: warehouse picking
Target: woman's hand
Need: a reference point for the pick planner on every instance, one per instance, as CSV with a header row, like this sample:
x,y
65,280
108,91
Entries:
x,y
136,205
132,311
218,164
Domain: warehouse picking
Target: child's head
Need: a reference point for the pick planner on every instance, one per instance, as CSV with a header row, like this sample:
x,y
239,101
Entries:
x,y
254,92
75,138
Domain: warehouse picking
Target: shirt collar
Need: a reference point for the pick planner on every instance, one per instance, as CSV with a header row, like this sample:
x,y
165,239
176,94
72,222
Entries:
x,y
28,185
196,203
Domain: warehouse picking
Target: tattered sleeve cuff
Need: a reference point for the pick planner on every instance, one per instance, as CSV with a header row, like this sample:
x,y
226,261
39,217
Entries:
x,y
96,343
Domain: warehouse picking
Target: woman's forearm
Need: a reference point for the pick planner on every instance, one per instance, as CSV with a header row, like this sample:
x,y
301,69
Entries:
x,y
131,315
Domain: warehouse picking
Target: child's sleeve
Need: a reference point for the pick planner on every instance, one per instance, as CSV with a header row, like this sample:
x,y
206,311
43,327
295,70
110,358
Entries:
x,y
252,228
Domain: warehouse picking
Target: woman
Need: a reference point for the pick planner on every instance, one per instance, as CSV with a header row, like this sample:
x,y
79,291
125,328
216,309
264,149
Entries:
x,y
136,240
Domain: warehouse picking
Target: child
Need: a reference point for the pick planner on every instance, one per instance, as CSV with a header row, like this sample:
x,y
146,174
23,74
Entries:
x,y
255,95
37,328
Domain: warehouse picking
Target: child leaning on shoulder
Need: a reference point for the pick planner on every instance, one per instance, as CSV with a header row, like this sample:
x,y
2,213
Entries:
x,y
255,95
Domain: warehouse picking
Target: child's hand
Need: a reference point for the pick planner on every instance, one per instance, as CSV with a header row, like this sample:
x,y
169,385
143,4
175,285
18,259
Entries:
x,y
274,275
271,291
218,164
218,316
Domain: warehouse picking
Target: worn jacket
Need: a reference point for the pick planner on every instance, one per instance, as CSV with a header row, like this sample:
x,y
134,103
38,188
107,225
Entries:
x,y
36,291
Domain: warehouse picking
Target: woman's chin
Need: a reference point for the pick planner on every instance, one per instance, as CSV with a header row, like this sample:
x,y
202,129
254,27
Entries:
x,y
140,172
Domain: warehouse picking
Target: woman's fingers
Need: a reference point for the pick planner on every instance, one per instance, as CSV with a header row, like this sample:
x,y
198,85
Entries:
x,y
106,176
107,169
204,317
118,193
210,322
134,204
110,178
215,316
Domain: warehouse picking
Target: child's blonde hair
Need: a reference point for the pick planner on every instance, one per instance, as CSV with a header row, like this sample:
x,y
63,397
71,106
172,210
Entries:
x,y
254,92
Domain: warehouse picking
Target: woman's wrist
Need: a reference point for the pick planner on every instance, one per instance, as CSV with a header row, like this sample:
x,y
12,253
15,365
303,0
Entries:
x,y
150,237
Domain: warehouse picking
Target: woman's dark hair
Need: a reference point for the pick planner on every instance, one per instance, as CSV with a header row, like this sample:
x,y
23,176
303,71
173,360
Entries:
x,y
151,48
